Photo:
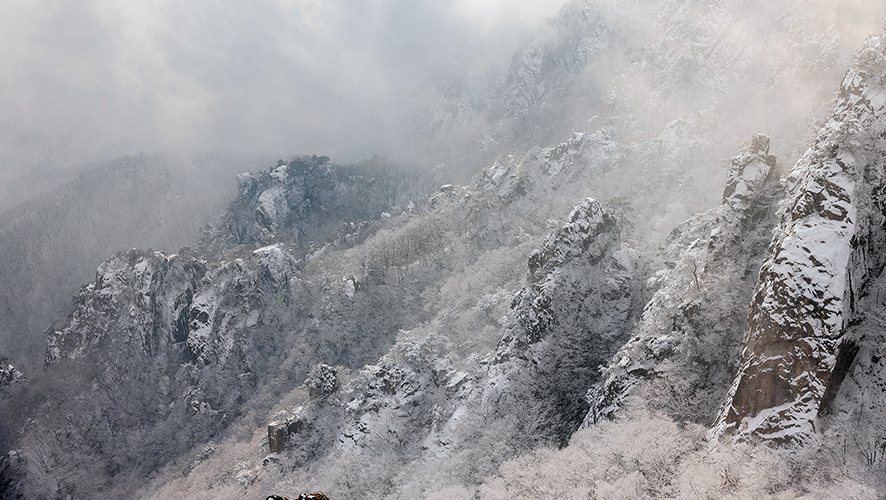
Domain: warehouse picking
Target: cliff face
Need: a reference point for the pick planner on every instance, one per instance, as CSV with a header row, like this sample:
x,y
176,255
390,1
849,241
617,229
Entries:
x,y
827,251
53,243
177,305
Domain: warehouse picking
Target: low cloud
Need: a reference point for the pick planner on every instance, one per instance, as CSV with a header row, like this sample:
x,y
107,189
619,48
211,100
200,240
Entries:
x,y
85,81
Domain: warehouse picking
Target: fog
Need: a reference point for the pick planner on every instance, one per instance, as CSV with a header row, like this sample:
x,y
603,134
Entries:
x,y
88,81
402,339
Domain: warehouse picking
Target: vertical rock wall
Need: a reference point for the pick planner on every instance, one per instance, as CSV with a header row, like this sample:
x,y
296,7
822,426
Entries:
x,y
827,249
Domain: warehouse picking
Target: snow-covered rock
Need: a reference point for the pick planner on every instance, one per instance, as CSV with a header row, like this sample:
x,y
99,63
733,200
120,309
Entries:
x,y
587,239
584,293
543,69
545,172
748,175
683,350
304,201
9,374
827,251
392,405
151,302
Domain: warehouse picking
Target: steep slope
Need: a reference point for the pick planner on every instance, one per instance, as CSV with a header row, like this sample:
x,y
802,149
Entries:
x,y
420,405
464,251
826,256
546,69
166,348
584,293
582,296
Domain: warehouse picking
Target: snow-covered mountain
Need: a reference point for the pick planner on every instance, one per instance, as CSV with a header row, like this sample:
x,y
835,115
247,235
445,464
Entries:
x,y
621,313
54,242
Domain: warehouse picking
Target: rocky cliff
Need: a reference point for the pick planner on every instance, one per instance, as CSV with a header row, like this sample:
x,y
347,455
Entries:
x,y
169,347
826,255
319,263
305,201
682,354
54,242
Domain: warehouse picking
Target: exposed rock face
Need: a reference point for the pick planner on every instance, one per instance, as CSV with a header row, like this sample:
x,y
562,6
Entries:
x,y
748,174
827,250
288,425
53,243
683,351
306,199
171,304
282,428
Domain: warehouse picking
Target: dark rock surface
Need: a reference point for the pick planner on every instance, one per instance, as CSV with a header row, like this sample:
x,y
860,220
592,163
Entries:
x,y
827,251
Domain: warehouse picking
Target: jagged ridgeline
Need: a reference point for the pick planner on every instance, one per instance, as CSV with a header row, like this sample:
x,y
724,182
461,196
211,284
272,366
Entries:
x,y
165,348
306,203
550,328
53,242
312,263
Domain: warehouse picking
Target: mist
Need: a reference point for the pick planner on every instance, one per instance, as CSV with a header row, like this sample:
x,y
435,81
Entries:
x,y
483,248
88,81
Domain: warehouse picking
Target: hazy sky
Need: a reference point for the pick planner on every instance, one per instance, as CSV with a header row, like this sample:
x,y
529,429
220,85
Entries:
x,y
84,80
